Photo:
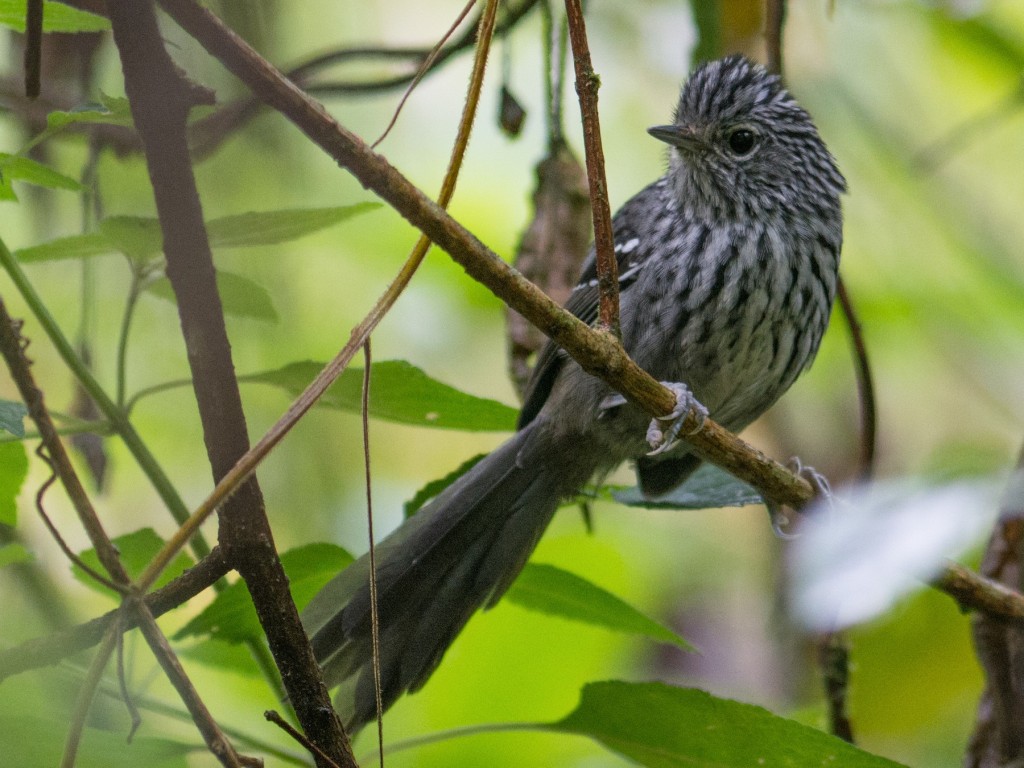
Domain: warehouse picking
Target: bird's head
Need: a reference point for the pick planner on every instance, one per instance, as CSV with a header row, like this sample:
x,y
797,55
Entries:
x,y
742,147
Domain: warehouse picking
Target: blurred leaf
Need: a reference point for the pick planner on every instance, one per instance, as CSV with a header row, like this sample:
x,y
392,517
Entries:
x,y
662,726
555,592
434,487
880,543
231,616
57,17
137,237
272,227
399,392
13,553
114,110
13,471
32,172
240,296
137,549
219,654
72,247
707,488
32,743
12,415
140,237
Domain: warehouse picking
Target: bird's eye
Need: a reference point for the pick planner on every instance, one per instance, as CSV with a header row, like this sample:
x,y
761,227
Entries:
x,y
742,141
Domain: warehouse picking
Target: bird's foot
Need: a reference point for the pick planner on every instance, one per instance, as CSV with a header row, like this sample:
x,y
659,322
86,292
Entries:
x,y
779,519
663,433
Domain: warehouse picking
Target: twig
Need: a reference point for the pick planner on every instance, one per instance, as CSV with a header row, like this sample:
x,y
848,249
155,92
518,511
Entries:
x,y
116,417
160,100
285,726
587,84
865,386
50,649
374,610
423,69
219,744
13,349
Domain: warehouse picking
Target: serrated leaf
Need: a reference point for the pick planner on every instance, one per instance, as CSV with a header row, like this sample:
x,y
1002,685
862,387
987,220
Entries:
x,y
12,417
855,558
240,296
399,392
231,616
272,227
13,553
72,247
661,726
137,549
57,17
13,471
707,488
555,592
32,172
434,487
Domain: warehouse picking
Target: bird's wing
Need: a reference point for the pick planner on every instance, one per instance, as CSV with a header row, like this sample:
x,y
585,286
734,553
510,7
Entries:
x,y
633,243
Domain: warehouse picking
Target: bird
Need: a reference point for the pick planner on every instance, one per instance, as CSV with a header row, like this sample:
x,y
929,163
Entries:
x,y
727,269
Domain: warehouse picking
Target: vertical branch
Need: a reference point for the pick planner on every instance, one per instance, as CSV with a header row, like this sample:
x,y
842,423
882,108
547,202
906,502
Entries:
x,y
774,19
865,387
160,99
33,47
587,84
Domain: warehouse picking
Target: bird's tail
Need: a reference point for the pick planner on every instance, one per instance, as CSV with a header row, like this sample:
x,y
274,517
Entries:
x,y
460,552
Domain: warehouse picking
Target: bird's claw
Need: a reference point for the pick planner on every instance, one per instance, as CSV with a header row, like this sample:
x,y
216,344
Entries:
x,y
663,433
779,519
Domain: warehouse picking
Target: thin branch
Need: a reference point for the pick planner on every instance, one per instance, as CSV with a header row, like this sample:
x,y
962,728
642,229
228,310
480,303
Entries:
x,y
117,418
423,69
51,649
587,84
13,348
865,386
285,726
219,744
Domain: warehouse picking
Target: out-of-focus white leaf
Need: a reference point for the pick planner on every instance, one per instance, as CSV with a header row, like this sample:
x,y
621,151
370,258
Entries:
x,y
878,543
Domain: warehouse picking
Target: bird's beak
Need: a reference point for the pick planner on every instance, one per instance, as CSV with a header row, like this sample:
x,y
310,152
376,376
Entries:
x,y
681,136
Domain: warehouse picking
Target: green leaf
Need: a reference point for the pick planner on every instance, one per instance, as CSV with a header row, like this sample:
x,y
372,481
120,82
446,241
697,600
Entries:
x,y
434,487
272,227
551,590
399,392
231,617
33,742
137,237
218,654
113,110
240,296
13,553
662,726
24,169
13,471
57,17
708,488
73,247
137,550
12,415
